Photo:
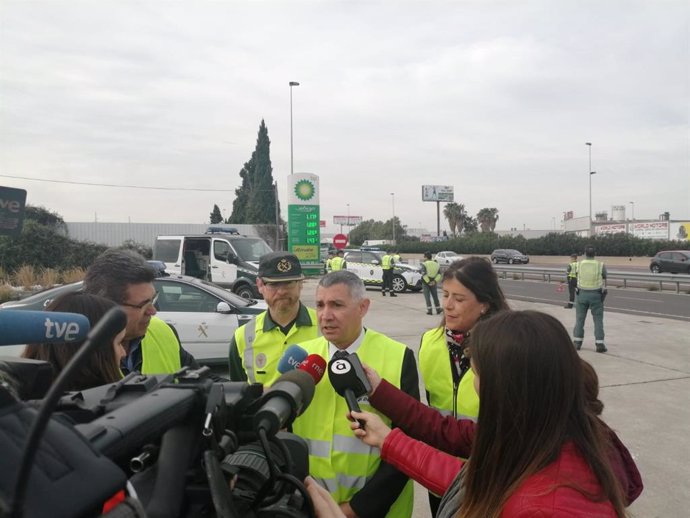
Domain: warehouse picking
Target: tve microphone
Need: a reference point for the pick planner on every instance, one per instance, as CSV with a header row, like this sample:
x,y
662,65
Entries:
x,y
287,398
349,380
28,327
315,366
291,359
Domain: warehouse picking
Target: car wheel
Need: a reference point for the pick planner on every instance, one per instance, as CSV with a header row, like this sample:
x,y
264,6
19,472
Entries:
x,y
494,260
510,261
655,268
245,291
399,284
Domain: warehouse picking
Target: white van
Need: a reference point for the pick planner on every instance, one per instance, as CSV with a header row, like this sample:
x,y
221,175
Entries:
x,y
228,260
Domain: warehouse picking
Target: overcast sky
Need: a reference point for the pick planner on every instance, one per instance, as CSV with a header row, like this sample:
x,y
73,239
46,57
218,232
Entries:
x,y
494,98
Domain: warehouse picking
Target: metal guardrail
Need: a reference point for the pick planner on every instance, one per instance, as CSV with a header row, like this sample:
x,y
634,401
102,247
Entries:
x,y
620,279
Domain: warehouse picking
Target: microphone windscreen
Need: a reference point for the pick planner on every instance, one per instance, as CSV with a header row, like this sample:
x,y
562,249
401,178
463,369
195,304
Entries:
x,y
315,366
342,376
25,327
291,359
301,379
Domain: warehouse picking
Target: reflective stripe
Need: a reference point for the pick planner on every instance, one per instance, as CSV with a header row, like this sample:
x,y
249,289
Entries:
x,y
342,481
350,482
319,448
599,342
249,336
329,483
352,445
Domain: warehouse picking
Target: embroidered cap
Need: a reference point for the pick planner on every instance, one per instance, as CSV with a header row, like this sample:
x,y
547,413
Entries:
x,y
280,267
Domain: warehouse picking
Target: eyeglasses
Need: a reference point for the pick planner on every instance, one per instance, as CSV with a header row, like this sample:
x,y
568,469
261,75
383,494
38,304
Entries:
x,y
281,284
144,305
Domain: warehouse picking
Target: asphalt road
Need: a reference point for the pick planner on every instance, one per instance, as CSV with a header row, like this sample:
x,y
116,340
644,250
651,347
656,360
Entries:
x,y
633,302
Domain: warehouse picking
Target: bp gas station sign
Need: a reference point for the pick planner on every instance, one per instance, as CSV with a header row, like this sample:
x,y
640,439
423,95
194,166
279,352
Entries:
x,y
304,234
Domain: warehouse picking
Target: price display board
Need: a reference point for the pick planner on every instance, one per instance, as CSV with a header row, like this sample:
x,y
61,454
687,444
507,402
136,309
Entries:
x,y
304,232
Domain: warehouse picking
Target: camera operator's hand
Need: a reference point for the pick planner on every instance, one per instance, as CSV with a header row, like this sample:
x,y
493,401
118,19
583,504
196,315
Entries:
x,y
347,510
375,430
374,378
324,505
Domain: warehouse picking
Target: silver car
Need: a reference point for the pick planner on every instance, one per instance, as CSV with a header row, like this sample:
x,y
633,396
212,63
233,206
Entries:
x,y
204,315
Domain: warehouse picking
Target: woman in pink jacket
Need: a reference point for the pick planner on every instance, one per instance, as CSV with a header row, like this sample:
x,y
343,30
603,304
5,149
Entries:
x,y
538,448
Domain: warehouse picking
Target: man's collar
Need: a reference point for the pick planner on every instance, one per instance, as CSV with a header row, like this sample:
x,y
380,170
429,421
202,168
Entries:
x,y
351,349
303,319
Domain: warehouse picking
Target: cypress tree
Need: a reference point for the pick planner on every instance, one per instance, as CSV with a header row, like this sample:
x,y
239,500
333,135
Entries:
x,y
216,216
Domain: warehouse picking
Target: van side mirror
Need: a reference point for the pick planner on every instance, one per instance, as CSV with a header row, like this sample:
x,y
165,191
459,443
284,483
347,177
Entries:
x,y
232,258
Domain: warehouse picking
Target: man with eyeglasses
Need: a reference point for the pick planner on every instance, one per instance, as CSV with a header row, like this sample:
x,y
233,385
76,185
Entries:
x,y
257,347
152,346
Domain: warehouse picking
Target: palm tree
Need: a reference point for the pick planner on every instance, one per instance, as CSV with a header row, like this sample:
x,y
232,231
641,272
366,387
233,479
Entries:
x,y
455,213
487,218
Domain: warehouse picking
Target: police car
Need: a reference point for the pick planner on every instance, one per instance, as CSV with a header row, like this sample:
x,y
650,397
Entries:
x,y
366,264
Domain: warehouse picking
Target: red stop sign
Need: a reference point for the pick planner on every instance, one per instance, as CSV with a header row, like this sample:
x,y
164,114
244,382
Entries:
x,y
340,241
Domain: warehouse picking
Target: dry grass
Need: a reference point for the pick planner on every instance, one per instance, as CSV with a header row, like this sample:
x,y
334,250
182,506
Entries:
x,y
48,278
6,293
26,277
73,275
3,275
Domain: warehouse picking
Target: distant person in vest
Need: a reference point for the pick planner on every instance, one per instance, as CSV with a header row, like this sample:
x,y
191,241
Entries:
x,y
591,292
572,280
338,262
329,261
257,347
470,293
387,264
352,472
431,274
151,345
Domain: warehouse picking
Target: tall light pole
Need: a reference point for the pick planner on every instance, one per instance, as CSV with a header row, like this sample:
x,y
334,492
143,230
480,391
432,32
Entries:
x,y
393,200
632,208
292,167
589,145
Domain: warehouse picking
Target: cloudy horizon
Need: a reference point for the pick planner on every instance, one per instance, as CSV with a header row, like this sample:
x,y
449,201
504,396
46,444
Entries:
x,y
496,99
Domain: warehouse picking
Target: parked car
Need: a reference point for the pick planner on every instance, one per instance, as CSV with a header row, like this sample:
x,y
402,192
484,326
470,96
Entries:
x,y
671,261
204,315
445,258
366,265
509,256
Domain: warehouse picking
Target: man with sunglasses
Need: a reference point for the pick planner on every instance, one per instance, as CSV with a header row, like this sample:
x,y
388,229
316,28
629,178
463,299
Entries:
x,y
257,347
152,346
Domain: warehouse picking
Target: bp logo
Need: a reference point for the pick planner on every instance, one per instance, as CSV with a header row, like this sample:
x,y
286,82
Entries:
x,y
304,190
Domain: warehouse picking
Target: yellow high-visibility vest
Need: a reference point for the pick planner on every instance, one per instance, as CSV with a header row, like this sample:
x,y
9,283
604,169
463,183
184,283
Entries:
x,y
337,459
261,351
160,350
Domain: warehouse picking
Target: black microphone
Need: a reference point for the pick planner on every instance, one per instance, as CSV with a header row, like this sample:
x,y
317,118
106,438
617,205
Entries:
x,y
349,380
287,398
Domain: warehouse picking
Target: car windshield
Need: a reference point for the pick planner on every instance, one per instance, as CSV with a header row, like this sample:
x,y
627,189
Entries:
x,y
250,249
514,252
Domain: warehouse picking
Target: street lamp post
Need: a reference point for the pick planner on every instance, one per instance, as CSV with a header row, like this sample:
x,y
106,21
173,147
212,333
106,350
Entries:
x,y
393,201
292,169
632,208
589,145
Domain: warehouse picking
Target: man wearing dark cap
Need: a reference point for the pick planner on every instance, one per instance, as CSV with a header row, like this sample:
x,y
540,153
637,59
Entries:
x,y
256,347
